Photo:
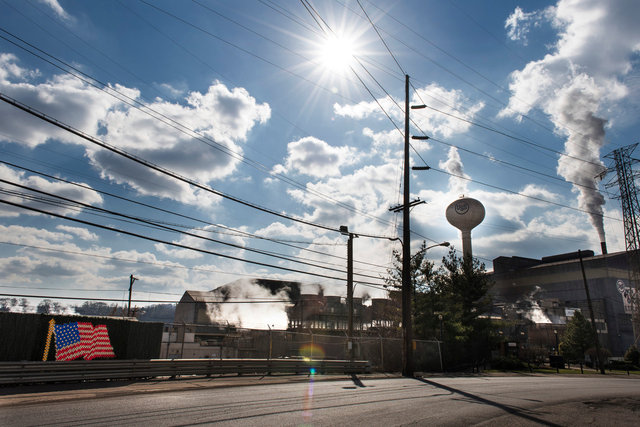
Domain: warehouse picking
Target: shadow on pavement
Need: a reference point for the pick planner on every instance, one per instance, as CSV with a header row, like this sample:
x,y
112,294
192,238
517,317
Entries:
x,y
519,412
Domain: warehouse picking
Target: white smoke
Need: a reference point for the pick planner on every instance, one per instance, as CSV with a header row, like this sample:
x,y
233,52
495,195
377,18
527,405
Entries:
x,y
256,315
577,82
454,166
530,308
575,107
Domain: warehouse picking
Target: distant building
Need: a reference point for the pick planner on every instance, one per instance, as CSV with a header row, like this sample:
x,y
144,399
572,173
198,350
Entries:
x,y
547,291
330,313
304,311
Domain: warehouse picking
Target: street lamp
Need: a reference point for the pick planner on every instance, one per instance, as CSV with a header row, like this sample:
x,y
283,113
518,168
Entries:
x,y
344,230
445,244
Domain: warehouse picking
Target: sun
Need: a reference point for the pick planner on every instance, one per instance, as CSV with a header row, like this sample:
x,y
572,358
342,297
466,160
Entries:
x,y
337,53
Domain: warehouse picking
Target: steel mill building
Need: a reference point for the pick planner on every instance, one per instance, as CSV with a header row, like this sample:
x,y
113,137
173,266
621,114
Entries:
x,y
546,292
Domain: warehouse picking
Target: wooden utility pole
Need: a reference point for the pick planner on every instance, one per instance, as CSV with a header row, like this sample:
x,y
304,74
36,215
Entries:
x,y
593,320
407,327
131,280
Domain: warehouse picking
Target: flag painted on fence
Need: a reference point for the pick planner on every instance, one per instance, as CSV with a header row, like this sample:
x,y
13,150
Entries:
x,y
81,339
72,340
100,344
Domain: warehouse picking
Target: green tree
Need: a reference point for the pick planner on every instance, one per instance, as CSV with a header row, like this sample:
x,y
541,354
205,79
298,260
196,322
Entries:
x,y
422,278
461,295
457,291
632,355
578,338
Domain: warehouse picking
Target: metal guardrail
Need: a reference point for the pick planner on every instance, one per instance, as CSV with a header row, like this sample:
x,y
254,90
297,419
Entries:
x,y
85,370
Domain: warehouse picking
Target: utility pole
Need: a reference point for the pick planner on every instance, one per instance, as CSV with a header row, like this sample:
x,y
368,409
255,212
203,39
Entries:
x,y
407,327
131,280
593,320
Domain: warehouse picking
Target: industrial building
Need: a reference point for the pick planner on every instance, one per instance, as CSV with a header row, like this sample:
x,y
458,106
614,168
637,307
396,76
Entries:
x,y
546,292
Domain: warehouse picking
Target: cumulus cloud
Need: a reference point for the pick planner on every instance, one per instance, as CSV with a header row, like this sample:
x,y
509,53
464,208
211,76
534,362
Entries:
x,y
448,103
314,157
221,114
371,189
81,233
576,82
60,188
519,23
445,101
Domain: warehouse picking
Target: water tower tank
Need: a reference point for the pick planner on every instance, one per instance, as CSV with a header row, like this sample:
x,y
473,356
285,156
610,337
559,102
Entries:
x,y
465,214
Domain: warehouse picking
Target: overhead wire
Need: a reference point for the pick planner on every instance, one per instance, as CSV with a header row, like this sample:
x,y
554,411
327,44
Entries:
x,y
179,126
476,124
216,301
473,70
68,204
169,243
66,201
167,265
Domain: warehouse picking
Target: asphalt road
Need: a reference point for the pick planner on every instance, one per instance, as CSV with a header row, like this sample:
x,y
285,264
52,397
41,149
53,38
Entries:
x,y
523,400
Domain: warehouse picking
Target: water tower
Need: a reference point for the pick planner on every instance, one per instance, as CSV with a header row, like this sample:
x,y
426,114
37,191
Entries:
x,y
465,214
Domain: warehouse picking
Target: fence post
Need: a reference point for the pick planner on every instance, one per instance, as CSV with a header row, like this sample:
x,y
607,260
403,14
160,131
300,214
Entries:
x,y
381,352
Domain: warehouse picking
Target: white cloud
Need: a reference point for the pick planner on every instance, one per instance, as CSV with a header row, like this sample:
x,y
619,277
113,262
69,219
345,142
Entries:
x,y
447,102
314,157
55,6
59,188
370,189
519,23
82,233
9,69
222,114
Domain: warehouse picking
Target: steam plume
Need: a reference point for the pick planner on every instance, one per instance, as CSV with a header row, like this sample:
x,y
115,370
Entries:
x,y
574,109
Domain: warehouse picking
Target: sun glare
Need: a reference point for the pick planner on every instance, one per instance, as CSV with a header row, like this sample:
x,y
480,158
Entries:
x,y
337,54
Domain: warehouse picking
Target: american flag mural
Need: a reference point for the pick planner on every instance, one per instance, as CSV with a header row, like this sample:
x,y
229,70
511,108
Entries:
x,y
82,340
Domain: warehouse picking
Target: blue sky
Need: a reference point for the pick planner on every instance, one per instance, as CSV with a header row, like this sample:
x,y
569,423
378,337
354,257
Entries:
x,y
524,100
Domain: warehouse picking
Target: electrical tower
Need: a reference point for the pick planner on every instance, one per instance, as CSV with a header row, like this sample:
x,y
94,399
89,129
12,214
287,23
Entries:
x,y
625,181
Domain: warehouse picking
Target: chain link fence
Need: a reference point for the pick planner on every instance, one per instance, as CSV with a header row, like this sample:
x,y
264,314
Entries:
x,y
383,353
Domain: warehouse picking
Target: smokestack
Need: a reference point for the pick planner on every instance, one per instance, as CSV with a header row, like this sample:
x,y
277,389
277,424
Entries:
x,y
603,245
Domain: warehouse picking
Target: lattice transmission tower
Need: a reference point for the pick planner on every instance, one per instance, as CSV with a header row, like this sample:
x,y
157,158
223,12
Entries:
x,y
625,180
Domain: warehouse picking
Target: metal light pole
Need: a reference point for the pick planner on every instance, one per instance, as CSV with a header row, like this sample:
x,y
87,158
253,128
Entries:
x,y
345,231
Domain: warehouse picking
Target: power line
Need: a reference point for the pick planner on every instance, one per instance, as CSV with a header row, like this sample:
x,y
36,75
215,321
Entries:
x,y
153,239
149,300
155,222
166,228
539,199
150,165
179,126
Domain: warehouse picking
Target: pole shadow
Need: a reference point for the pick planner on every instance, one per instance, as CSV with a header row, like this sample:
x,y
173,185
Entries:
x,y
519,412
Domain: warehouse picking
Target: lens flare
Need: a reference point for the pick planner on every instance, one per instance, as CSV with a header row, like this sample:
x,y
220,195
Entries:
x,y
311,351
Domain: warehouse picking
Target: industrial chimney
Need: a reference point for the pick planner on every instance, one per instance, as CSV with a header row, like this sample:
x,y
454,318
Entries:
x,y
603,245
465,214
